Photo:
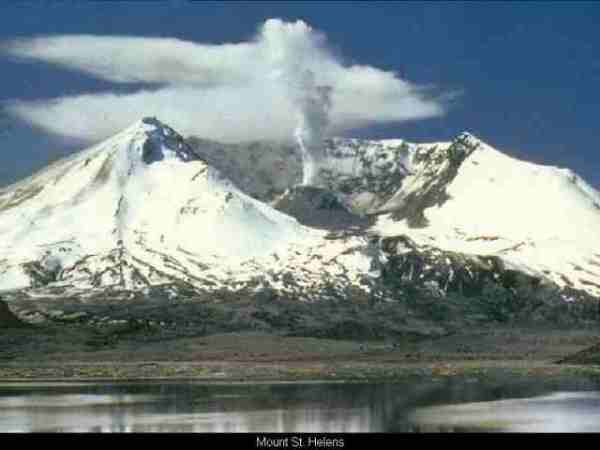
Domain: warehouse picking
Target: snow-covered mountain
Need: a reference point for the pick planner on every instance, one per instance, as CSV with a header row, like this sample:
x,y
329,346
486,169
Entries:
x,y
147,208
142,209
541,220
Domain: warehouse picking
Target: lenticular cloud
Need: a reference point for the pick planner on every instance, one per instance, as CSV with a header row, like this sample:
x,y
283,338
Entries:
x,y
282,84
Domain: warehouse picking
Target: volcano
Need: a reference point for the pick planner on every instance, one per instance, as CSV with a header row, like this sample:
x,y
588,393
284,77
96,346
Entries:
x,y
147,208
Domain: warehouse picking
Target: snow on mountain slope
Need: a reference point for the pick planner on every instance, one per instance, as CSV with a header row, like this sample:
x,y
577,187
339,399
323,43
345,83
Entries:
x,y
137,184
540,219
145,209
141,209
460,196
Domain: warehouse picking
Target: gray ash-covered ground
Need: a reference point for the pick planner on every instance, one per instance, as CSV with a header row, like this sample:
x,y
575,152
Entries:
x,y
319,208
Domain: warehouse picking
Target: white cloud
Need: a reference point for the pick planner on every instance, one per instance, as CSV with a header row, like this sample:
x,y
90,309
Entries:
x,y
228,92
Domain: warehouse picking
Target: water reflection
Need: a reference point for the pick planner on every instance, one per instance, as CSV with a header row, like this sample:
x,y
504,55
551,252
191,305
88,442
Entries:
x,y
188,407
561,412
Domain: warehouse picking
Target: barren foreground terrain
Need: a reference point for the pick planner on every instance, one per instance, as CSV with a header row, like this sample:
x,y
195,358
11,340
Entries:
x,y
79,353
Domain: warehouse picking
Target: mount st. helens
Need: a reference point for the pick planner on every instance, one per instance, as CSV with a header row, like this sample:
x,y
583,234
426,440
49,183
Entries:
x,y
147,211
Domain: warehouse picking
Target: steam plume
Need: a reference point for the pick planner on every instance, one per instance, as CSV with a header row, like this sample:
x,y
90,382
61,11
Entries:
x,y
281,84
315,103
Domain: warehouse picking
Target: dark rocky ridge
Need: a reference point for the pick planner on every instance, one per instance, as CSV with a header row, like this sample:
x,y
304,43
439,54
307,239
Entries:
x,y
318,208
481,288
439,168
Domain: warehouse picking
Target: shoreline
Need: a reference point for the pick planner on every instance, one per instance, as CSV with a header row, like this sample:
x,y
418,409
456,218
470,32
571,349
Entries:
x,y
284,373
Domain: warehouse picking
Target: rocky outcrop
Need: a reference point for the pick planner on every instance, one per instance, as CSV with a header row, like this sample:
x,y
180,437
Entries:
x,y
7,318
318,208
444,272
426,187
481,287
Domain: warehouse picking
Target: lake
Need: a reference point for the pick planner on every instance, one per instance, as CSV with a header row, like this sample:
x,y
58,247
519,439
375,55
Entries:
x,y
454,404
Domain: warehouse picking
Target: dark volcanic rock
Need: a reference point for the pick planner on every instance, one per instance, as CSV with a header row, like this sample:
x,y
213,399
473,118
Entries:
x,y
460,286
7,318
319,208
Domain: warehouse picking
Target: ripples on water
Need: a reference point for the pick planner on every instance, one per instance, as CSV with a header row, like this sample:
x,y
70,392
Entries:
x,y
450,405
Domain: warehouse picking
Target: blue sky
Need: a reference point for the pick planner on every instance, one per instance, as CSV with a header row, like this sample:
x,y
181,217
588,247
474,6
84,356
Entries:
x,y
527,72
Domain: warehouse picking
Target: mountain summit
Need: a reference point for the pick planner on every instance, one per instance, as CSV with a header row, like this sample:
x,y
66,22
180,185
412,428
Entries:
x,y
121,211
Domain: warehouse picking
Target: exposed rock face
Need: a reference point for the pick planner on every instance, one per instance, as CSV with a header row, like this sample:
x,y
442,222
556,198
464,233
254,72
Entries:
x,y
7,318
482,285
263,170
440,272
318,208
426,187
366,173
371,177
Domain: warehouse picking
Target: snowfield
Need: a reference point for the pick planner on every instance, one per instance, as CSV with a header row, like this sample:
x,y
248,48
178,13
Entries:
x,y
540,219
